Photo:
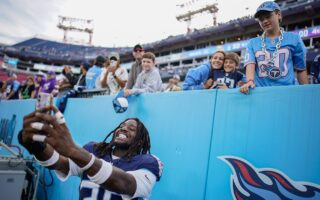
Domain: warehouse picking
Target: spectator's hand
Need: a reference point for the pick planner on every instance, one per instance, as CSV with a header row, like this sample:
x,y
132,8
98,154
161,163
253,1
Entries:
x,y
214,85
246,87
111,69
224,86
208,84
127,92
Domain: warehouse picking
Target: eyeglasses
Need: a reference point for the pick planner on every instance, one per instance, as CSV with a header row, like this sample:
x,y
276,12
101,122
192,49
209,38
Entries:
x,y
138,50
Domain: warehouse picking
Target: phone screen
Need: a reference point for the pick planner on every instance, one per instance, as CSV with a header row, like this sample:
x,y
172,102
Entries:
x,y
44,100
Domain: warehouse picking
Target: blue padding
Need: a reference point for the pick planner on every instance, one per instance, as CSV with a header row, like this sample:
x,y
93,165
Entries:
x,y
275,127
20,108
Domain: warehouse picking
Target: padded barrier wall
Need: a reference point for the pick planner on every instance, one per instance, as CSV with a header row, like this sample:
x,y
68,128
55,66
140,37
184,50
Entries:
x,y
190,131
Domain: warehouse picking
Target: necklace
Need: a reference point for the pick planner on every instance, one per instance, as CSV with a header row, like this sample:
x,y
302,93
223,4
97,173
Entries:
x,y
273,71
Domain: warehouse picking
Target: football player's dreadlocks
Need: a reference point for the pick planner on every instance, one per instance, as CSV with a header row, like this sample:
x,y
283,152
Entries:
x,y
140,145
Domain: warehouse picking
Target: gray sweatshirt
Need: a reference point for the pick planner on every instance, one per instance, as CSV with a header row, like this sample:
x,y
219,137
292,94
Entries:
x,y
147,81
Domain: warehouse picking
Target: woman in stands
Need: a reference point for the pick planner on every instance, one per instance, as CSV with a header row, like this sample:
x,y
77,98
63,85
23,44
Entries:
x,y
229,76
28,90
197,78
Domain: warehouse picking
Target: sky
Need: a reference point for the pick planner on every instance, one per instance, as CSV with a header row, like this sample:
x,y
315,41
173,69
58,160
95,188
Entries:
x,y
117,23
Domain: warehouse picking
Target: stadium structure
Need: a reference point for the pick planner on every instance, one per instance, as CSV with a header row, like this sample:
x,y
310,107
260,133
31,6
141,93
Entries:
x,y
175,54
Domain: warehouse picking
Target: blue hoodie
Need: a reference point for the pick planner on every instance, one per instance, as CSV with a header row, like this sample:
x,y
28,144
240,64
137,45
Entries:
x,y
197,77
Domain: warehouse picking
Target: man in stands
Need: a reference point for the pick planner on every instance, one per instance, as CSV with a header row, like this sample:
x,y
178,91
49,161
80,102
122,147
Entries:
x,y
315,70
12,86
136,67
92,80
273,57
120,168
149,80
50,84
114,77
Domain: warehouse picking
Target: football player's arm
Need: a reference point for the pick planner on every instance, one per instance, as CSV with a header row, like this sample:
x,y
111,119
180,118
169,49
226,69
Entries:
x,y
42,152
62,154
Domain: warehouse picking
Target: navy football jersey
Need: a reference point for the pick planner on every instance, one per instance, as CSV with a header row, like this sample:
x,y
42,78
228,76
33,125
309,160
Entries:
x,y
230,79
90,190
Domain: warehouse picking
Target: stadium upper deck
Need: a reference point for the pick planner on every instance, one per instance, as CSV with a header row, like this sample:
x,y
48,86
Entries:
x,y
176,54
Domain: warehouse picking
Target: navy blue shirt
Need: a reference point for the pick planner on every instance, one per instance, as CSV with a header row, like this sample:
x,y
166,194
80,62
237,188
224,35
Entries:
x,y
230,79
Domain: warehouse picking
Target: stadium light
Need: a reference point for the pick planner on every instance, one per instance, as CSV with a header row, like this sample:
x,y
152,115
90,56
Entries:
x,y
187,17
68,24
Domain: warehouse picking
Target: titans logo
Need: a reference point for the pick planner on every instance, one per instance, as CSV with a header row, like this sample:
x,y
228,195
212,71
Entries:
x,y
250,183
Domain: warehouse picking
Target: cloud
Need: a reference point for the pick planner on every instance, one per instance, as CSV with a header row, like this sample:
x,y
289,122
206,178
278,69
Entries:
x,y
25,18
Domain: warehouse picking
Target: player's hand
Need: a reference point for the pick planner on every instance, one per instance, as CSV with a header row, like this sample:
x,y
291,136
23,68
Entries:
x,y
27,130
54,128
208,84
246,87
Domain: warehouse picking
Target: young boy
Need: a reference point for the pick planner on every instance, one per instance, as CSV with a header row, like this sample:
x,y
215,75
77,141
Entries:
x,y
272,58
149,79
229,77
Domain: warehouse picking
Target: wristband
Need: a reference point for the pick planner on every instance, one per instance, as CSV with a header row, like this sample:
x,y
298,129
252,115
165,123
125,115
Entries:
x,y
90,163
103,174
51,161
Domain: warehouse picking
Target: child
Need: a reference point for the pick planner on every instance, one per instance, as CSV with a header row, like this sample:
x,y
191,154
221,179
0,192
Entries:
x,y
229,77
149,79
272,57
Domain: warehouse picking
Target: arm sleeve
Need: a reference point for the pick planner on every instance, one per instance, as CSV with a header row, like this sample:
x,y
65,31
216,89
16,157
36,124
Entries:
x,y
299,55
194,79
74,170
249,56
145,181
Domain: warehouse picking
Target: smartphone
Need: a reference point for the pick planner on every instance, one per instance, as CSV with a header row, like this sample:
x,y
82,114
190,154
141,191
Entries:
x,y
44,100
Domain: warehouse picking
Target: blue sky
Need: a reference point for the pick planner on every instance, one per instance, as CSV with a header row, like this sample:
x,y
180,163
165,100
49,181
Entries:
x,y
116,22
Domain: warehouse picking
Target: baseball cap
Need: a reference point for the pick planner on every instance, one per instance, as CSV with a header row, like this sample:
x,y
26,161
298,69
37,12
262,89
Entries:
x,y
86,65
51,73
137,47
267,6
100,60
114,55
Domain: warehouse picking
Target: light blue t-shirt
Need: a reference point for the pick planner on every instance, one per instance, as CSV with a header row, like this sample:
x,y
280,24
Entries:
x,y
91,77
292,55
